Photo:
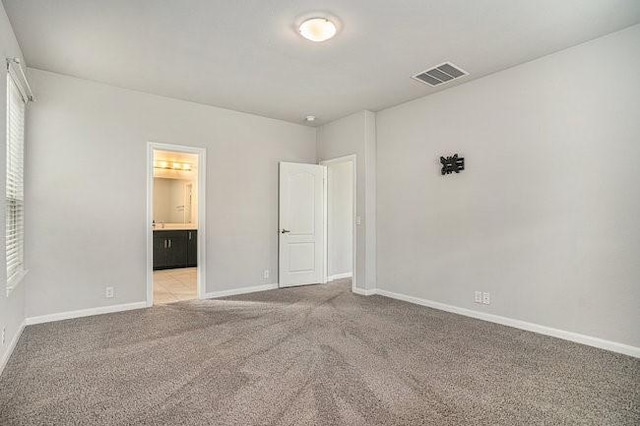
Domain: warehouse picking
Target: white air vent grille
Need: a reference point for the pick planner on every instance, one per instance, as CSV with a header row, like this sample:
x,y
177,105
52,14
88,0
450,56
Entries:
x,y
440,74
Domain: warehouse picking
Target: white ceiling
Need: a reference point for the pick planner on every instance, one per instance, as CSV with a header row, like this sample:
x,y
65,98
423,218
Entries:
x,y
246,54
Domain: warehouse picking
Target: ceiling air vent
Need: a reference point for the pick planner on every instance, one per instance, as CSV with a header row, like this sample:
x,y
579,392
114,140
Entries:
x,y
440,75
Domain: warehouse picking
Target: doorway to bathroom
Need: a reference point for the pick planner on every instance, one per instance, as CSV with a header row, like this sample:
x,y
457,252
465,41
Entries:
x,y
175,238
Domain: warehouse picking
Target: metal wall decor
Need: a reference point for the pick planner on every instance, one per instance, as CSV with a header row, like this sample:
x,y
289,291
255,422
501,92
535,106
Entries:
x,y
452,164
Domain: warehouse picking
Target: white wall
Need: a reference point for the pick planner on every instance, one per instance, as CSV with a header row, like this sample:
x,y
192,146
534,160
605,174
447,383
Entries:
x,y
11,306
355,134
546,215
87,191
340,218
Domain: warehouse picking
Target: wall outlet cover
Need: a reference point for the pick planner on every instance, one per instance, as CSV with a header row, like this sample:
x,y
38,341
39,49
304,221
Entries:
x,y
109,292
477,298
265,274
486,298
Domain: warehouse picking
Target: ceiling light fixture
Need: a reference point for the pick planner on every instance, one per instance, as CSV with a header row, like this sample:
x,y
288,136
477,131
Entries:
x,y
185,167
310,118
317,29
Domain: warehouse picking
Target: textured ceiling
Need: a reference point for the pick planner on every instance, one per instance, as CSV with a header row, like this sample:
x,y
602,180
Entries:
x,y
246,55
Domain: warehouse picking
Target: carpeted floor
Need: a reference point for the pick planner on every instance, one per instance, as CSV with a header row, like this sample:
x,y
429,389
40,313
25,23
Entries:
x,y
308,355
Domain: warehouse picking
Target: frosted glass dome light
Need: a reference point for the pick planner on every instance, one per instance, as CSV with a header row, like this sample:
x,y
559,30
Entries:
x,y
317,29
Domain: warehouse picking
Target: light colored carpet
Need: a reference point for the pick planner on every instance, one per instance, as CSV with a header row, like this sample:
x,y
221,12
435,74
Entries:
x,y
309,355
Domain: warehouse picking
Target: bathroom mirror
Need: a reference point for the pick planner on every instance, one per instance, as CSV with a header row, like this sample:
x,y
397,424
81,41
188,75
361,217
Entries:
x,y
172,201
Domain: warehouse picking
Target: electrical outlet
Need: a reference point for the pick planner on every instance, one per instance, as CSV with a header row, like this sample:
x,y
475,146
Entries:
x,y
109,292
265,274
4,332
477,297
486,298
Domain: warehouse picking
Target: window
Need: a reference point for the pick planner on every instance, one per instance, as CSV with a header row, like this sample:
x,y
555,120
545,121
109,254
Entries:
x,y
15,184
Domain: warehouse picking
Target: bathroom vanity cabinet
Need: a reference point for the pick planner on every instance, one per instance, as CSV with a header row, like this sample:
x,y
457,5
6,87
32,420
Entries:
x,y
175,249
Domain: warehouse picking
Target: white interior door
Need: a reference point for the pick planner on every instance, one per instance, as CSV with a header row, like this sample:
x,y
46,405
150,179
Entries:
x,y
301,224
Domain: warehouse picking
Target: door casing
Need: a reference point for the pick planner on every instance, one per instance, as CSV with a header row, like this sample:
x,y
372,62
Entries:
x,y
202,217
354,229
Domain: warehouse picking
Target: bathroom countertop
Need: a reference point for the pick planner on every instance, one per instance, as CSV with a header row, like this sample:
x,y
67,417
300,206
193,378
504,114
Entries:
x,y
175,227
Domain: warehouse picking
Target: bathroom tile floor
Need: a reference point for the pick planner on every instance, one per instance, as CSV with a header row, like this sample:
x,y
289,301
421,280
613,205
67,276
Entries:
x,y
174,285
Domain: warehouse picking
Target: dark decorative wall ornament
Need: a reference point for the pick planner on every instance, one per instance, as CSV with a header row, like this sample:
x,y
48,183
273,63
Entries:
x,y
452,164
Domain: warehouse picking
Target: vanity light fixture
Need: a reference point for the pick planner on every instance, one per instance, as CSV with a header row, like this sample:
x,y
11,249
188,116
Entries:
x,y
184,167
317,29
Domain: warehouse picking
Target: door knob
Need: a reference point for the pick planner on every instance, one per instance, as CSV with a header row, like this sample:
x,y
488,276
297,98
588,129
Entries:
x,y
284,231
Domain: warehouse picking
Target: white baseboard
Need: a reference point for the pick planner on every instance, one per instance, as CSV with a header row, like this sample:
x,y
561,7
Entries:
x,y
85,313
364,292
11,347
242,290
523,325
339,276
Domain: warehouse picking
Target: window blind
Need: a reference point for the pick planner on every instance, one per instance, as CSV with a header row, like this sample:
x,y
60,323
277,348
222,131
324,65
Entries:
x,y
15,183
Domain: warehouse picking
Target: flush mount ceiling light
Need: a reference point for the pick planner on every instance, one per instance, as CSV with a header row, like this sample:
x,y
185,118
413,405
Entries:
x,y
310,118
317,29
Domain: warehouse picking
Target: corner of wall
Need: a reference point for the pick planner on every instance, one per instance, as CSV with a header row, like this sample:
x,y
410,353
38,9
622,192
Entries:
x,y
318,142
370,198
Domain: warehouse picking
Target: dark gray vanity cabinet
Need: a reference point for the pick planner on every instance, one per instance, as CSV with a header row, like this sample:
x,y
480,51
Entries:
x,y
192,248
172,249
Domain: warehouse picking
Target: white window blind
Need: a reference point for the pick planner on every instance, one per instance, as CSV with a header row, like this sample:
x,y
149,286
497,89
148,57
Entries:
x,y
15,183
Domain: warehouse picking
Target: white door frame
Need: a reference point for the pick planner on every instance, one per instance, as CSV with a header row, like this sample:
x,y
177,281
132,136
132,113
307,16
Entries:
x,y
202,228
352,159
